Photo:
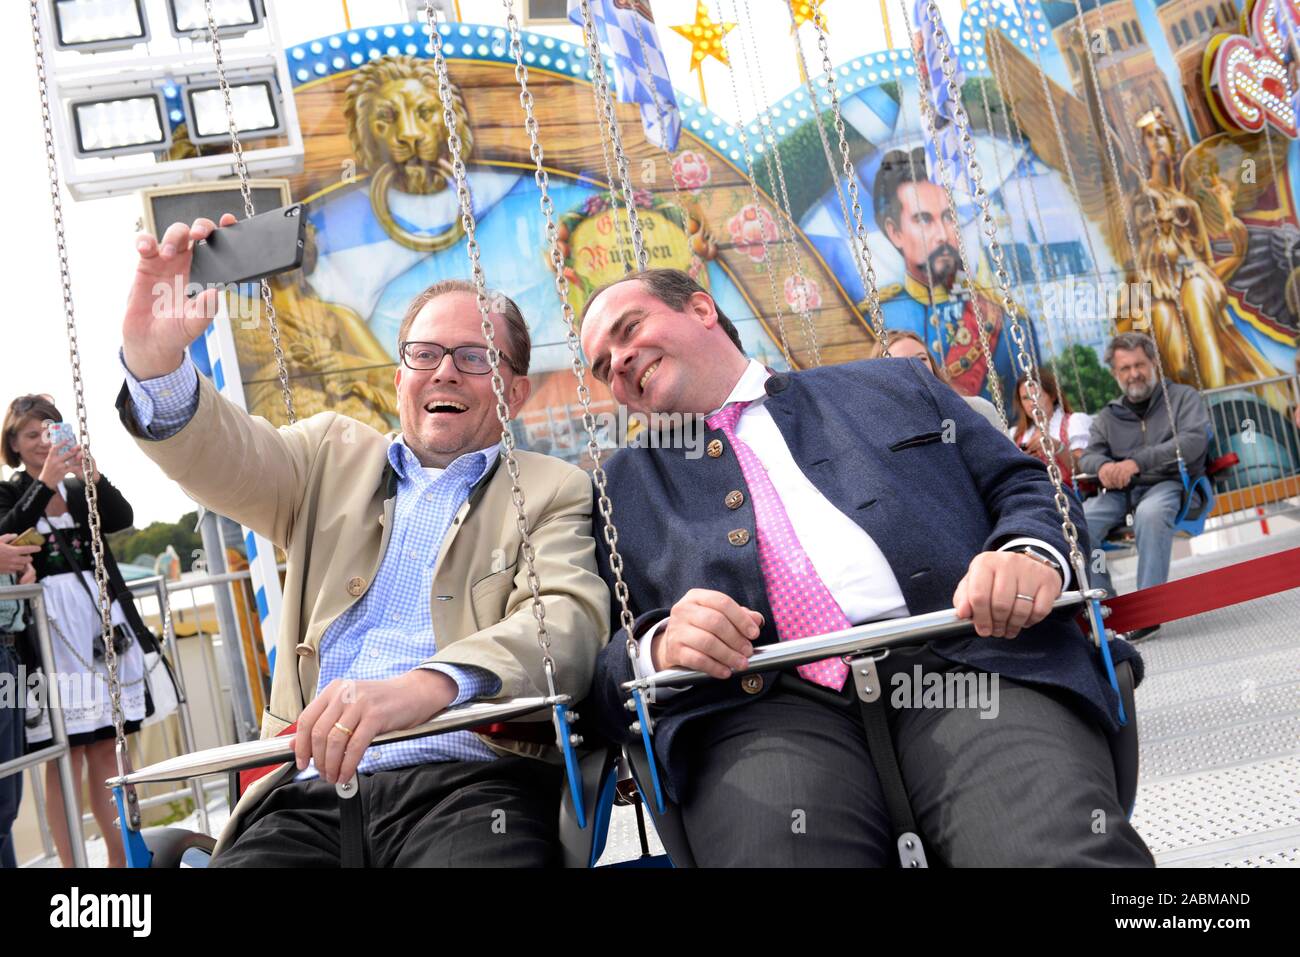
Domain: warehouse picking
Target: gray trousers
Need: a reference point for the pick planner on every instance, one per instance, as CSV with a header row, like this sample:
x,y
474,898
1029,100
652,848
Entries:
x,y
1154,509
787,781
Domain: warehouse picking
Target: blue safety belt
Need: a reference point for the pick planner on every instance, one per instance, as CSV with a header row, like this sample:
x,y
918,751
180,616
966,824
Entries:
x,y
1193,526
565,740
643,717
137,853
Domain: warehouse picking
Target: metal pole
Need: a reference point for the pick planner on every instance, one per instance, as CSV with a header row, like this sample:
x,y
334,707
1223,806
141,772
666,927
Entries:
x,y
59,734
183,705
232,645
213,681
43,822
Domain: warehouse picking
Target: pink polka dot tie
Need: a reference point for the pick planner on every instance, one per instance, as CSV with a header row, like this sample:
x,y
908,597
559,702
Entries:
x,y
801,603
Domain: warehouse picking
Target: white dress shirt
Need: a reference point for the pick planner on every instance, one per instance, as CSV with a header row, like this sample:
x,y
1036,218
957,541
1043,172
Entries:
x,y
845,557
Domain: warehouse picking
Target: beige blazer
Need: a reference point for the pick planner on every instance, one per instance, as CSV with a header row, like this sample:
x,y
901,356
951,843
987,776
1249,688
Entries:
x,y
323,491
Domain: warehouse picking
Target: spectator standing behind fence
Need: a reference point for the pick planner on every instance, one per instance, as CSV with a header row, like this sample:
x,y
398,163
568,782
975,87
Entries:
x,y
43,495
15,568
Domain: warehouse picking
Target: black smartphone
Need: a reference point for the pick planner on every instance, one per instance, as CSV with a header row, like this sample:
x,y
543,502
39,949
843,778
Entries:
x,y
265,245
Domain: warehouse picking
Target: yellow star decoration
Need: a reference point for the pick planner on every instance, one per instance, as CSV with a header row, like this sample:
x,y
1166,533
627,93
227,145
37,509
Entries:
x,y
705,37
803,13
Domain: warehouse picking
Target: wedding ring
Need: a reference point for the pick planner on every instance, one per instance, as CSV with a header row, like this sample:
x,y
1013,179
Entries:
x,y
1028,598
342,728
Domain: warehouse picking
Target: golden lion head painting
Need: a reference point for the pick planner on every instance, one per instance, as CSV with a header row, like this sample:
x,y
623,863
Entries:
x,y
399,135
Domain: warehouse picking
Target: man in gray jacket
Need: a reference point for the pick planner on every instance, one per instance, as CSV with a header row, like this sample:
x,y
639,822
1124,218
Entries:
x,y
1133,453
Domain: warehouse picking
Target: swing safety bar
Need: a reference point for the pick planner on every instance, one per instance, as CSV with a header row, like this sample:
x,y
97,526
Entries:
x,y
873,636
254,754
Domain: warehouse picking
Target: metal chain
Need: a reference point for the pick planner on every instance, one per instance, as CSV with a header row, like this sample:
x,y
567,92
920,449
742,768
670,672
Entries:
x,y
997,157
1024,357
1059,128
616,139
769,262
598,101
489,332
785,219
89,666
1104,133
1020,189
1151,205
815,102
238,150
1034,275
925,84
542,179
1010,118
912,171
662,114
866,266
78,391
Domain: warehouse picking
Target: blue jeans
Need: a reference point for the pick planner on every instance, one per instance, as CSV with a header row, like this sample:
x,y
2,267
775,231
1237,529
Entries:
x,y
11,746
1154,509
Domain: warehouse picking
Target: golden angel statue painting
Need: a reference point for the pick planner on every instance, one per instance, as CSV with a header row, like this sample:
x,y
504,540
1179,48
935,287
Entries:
x,y
1171,217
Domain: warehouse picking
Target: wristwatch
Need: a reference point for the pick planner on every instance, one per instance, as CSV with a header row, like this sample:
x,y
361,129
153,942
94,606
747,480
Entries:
x,y
1038,555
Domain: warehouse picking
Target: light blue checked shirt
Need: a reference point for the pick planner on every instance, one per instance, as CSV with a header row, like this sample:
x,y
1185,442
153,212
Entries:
x,y
390,630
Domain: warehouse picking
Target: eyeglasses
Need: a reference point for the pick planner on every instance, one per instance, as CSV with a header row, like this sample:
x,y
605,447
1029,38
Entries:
x,y
471,360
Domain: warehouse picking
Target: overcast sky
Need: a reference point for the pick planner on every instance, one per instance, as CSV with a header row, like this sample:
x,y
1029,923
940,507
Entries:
x,y
100,233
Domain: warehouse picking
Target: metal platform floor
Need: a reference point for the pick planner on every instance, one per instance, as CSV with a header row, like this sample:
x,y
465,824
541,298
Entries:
x,y
1219,728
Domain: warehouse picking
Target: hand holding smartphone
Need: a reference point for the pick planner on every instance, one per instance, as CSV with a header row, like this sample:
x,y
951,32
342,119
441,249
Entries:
x,y
159,324
265,245
61,435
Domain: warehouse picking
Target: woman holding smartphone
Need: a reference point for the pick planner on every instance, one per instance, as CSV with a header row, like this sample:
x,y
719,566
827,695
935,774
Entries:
x,y
44,495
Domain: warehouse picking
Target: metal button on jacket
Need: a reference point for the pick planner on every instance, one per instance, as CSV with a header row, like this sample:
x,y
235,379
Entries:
x,y
714,449
734,499
751,684
356,586
738,536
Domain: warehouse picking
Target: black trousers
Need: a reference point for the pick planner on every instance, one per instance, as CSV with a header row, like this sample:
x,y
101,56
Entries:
x,y
502,813
11,746
787,781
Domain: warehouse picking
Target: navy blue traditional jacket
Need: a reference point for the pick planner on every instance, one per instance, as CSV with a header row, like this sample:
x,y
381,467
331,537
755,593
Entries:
x,y
871,437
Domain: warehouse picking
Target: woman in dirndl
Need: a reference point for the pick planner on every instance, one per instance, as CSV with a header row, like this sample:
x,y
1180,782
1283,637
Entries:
x,y
44,494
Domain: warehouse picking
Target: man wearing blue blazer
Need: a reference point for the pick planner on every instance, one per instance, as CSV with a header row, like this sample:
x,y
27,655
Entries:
x,y
826,498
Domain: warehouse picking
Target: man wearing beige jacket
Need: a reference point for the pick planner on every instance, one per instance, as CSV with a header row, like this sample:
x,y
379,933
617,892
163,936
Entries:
x,y
404,593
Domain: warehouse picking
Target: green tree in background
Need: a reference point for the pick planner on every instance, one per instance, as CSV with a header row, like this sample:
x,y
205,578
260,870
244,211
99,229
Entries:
x,y
1099,386
131,543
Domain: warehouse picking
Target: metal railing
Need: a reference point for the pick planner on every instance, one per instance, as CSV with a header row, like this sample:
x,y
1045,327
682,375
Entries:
x,y
1248,422
58,749
159,592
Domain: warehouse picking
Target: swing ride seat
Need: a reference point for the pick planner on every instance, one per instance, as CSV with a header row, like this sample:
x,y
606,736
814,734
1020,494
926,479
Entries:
x,y
672,832
580,846
177,847
582,832
855,645
1198,503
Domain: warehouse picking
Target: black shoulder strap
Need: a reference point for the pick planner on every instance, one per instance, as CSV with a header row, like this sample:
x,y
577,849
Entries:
x,y
72,560
76,499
